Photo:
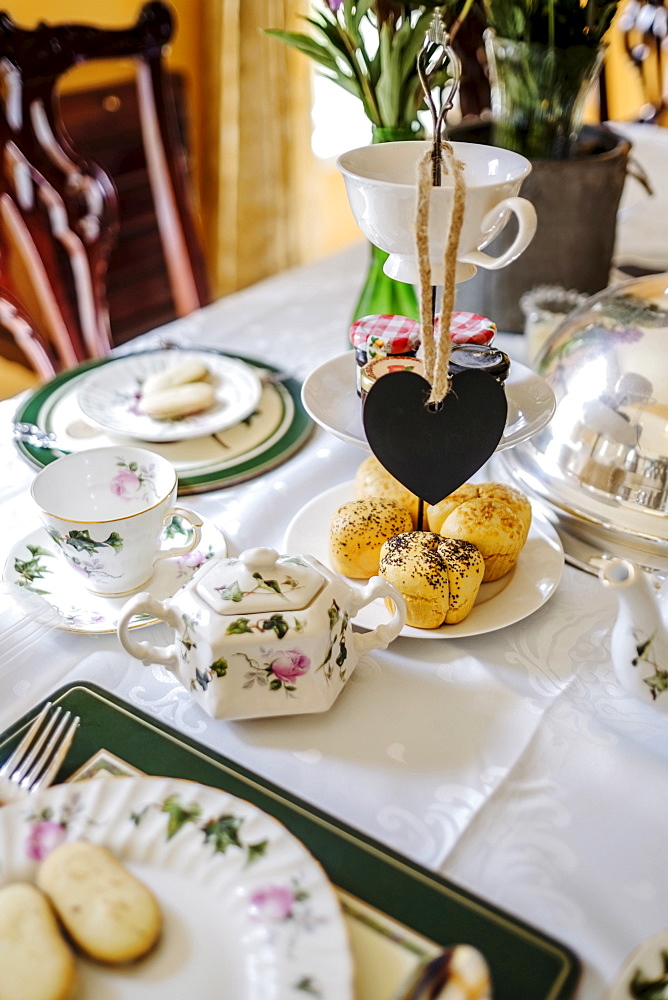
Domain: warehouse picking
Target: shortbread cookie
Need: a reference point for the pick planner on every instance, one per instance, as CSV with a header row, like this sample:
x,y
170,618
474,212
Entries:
x,y
179,401
109,914
179,374
36,963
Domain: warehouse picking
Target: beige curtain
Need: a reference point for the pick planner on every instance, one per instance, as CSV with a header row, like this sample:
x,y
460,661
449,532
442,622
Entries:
x,y
256,157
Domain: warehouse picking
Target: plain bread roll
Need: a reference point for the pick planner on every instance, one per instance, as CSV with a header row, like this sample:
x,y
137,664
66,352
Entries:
x,y
496,530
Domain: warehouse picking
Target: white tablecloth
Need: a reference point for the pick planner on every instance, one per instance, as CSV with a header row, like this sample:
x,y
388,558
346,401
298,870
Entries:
x,y
510,762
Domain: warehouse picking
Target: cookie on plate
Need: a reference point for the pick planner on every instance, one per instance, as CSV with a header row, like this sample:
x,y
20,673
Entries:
x,y
108,913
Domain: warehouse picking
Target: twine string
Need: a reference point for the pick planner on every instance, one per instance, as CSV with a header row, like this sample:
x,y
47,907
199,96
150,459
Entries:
x,y
437,354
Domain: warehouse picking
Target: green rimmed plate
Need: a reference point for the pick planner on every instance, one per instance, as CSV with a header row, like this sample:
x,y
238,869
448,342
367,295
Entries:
x,y
266,438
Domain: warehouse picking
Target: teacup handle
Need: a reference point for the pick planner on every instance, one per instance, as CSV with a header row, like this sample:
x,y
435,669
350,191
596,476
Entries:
x,y
144,603
526,221
195,522
381,636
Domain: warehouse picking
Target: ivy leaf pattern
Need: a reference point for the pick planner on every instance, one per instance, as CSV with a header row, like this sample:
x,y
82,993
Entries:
x,y
238,627
30,570
219,667
80,540
276,623
267,584
338,624
231,593
658,681
174,528
223,832
641,988
179,815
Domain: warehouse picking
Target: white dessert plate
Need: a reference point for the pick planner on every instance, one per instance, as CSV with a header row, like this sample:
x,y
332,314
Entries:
x,y
330,398
247,911
530,583
110,396
35,564
647,965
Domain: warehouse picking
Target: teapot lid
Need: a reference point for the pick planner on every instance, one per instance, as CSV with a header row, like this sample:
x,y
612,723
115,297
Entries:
x,y
258,582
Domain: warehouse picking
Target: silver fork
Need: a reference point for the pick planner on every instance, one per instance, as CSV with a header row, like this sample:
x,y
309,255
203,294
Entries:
x,y
36,760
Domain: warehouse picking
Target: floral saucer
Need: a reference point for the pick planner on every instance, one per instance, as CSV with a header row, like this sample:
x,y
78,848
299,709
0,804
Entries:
x,y
35,564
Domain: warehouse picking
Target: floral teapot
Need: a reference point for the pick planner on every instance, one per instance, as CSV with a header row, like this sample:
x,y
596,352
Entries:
x,y
263,634
640,634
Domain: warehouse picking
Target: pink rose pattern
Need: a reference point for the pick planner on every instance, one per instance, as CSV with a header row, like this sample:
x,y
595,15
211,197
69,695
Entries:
x,y
45,834
134,481
46,831
272,903
125,483
289,664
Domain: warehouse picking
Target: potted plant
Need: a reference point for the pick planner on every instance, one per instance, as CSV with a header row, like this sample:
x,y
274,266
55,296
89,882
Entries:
x,y
543,57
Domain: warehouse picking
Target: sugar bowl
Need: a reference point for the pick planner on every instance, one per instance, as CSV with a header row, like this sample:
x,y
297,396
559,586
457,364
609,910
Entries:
x,y
263,634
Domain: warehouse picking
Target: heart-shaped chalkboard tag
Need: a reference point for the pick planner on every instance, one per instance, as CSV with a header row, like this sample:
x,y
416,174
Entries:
x,y
434,451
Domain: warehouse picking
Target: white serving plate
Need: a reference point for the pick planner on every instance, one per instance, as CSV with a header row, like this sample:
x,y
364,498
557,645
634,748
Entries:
x,y
330,397
109,396
530,583
248,912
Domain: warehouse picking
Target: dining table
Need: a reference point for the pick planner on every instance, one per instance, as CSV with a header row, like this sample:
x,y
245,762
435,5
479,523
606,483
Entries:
x,y
509,762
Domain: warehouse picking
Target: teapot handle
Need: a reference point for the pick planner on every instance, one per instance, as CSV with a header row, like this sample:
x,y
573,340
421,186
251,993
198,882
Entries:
x,y
381,636
145,604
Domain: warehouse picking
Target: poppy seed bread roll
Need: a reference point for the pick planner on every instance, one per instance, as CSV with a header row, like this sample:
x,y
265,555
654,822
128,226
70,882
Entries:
x,y
358,530
439,578
373,480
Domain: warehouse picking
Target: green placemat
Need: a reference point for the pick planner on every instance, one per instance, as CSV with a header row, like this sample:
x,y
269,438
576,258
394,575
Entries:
x,y
525,964
202,463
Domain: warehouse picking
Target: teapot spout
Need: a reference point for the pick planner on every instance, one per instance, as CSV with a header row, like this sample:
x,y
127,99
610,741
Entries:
x,y
639,646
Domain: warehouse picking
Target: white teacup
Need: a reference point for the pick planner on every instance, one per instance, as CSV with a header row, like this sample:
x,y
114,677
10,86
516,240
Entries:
x,y
381,181
108,510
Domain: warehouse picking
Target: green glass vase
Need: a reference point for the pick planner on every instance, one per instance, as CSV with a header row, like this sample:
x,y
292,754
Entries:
x,y
380,294
538,94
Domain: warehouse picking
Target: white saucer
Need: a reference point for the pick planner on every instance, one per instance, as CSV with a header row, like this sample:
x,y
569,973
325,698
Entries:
x,y
109,395
34,563
518,594
330,398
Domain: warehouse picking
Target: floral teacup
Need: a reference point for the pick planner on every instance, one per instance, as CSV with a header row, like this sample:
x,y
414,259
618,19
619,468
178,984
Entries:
x,y
109,511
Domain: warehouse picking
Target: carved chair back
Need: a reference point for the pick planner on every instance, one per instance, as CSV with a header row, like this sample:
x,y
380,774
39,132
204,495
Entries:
x,y
59,209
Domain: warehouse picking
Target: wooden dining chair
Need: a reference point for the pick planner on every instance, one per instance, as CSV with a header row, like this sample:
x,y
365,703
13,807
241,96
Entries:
x,y
59,209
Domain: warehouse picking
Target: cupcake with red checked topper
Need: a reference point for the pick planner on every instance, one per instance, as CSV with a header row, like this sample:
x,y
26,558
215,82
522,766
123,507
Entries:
x,y
383,336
